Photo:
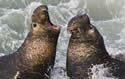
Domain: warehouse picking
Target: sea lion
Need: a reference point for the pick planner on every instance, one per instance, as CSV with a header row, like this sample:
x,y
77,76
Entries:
x,y
35,58
86,48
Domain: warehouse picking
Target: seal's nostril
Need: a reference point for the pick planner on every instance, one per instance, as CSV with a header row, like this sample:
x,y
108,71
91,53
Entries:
x,y
45,11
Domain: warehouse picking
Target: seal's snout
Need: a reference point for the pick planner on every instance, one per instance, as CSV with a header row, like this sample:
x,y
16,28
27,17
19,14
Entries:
x,y
44,10
44,7
79,22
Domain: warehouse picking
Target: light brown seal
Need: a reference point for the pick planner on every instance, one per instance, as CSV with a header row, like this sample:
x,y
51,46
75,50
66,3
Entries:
x,y
86,48
35,58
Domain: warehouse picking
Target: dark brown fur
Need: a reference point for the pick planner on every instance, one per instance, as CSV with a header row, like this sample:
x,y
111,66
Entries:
x,y
35,58
86,48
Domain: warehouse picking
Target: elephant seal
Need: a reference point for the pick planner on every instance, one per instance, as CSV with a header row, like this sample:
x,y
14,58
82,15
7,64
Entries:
x,y
35,58
86,48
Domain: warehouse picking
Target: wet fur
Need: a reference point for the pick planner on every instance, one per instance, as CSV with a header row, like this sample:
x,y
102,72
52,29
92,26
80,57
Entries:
x,y
86,48
35,58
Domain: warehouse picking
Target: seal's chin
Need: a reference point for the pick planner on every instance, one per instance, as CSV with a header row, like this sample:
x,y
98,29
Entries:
x,y
53,27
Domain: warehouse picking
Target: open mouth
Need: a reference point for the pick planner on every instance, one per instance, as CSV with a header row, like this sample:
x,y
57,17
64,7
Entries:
x,y
53,27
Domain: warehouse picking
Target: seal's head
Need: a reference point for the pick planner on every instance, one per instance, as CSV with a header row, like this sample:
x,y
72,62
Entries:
x,y
41,21
80,27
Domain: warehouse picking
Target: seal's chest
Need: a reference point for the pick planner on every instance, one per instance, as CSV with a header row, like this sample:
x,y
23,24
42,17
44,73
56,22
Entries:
x,y
80,51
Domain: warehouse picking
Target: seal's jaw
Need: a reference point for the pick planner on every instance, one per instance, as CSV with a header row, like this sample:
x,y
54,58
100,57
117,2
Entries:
x,y
53,27
44,15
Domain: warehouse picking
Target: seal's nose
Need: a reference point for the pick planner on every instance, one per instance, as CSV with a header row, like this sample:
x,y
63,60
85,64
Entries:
x,y
45,11
69,29
44,8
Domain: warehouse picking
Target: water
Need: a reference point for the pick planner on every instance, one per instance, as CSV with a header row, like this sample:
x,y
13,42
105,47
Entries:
x,y
107,15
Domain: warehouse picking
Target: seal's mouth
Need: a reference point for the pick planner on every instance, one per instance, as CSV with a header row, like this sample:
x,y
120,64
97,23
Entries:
x,y
69,29
72,28
53,27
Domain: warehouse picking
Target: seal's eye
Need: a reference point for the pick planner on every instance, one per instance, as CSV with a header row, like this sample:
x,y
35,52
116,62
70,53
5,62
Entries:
x,y
34,25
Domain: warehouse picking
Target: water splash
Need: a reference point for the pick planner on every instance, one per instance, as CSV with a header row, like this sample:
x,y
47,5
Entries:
x,y
99,72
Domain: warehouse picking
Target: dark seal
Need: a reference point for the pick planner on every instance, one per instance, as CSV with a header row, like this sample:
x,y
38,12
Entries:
x,y
86,48
35,58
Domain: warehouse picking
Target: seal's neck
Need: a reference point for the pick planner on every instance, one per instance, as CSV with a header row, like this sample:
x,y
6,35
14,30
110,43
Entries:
x,y
34,48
